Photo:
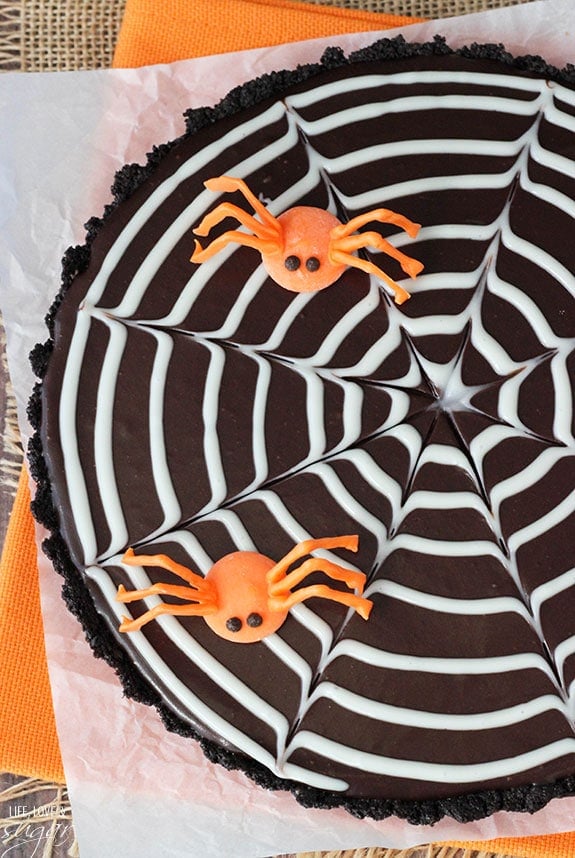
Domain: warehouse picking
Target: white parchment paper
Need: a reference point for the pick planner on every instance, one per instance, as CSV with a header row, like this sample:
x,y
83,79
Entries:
x,y
136,789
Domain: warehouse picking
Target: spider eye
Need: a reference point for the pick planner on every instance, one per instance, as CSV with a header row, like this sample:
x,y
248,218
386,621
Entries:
x,y
254,620
234,624
312,264
292,263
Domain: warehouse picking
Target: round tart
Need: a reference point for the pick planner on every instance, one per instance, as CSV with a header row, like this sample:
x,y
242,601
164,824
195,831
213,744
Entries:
x,y
191,410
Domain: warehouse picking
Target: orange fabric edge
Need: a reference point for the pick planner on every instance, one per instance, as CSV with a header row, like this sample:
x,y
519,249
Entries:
x,y
28,739
539,846
164,32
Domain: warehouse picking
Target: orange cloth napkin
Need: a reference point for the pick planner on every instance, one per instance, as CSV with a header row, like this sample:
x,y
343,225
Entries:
x,y
156,32
162,32
28,740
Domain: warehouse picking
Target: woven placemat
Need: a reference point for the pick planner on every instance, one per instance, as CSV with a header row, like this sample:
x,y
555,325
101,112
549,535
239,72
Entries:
x,y
65,35
58,35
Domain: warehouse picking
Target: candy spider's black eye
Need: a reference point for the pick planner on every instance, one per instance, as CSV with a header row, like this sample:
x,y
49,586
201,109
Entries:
x,y
312,264
234,624
292,263
254,620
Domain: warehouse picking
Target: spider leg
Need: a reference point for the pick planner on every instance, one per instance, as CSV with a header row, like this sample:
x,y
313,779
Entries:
x,y
354,580
306,547
165,562
199,591
161,589
128,625
361,605
381,216
267,232
348,259
229,184
226,209
280,581
263,245
411,266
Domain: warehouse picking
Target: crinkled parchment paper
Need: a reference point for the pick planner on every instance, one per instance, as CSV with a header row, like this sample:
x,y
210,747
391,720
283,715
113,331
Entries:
x,y
136,789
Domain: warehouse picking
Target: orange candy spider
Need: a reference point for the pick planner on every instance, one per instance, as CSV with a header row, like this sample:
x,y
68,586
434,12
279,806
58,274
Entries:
x,y
306,248
246,596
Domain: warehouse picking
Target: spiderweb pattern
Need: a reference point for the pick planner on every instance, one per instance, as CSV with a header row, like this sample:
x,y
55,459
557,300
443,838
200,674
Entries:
x,y
441,431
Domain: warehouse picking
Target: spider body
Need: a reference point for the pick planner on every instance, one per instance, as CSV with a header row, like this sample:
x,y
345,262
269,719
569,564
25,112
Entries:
x,y
241,583
303,264
305,249
246,596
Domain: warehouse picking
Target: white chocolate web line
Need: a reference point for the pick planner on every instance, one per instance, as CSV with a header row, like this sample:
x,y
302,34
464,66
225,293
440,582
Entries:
x,y
534,100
